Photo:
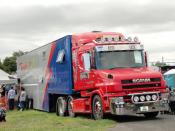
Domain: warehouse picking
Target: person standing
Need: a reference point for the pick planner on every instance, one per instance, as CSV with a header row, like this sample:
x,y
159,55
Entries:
x,y
2,97
22,99
172,101
11,98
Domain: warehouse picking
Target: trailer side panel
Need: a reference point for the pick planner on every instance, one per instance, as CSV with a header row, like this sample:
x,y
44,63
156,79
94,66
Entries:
x,y
42,74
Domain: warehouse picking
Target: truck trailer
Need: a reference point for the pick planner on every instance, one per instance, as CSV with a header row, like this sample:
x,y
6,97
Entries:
x,y
94,73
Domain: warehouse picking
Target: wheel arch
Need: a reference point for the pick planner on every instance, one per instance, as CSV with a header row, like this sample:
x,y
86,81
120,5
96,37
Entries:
x,y
99,93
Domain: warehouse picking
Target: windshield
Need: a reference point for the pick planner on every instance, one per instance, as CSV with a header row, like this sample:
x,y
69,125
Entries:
x,y
119,59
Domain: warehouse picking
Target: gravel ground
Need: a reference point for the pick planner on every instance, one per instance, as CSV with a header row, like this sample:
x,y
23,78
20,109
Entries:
x,y
164,122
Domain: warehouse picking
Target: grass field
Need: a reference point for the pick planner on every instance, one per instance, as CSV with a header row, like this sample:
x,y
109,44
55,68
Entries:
x,y
32,120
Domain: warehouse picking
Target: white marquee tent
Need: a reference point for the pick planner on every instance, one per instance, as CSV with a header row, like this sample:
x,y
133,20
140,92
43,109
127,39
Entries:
x,y
4,78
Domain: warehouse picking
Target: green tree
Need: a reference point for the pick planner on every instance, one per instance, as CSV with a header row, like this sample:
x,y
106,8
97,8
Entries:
x,y
160,64
18,53
9,63
1,65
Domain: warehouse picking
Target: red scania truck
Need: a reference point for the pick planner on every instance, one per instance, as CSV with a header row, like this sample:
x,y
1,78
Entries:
x,y
95,73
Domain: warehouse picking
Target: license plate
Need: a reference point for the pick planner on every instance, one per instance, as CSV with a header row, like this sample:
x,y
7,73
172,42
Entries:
x,y
144,108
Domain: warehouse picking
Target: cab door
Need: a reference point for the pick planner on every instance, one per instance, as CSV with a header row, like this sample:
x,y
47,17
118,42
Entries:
x,y
86,75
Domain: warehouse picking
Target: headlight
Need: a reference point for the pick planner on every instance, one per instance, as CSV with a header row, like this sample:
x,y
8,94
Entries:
x,y
154,97
142,98
148,97
136,99
119,100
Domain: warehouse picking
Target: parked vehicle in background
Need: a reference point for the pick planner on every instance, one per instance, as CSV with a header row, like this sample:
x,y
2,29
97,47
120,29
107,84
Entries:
x,y
94,73
169,76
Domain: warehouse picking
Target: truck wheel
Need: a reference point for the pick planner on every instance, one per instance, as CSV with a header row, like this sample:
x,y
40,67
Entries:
x,y
151,114
70,107
60,106
97,108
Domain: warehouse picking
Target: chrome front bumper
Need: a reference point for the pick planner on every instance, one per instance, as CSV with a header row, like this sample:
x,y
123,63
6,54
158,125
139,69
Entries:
x,y
141,108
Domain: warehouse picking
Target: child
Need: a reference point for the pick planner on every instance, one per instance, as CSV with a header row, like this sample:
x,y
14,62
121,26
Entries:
x,y
2,114
22,99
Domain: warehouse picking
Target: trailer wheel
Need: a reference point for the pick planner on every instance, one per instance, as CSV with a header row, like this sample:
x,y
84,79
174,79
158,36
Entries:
x,y
97,108
70,107
60,106
151,114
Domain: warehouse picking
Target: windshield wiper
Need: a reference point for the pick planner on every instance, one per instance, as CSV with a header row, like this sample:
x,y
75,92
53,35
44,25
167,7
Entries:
x,y
112,68
135,66
115,68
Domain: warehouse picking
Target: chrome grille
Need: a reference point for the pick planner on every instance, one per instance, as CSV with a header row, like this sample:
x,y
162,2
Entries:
x,y
128,84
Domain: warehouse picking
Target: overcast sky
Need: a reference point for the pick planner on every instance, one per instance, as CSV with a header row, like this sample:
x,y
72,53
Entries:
x,y
28,24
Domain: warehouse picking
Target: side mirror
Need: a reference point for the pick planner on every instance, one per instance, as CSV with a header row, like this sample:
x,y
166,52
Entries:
x,y
86,60
146,58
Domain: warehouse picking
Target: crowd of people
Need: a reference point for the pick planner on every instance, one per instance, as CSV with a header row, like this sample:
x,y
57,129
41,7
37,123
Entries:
x,y
11,99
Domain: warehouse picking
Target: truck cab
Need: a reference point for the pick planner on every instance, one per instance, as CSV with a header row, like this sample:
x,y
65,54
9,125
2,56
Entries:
x,y
112,72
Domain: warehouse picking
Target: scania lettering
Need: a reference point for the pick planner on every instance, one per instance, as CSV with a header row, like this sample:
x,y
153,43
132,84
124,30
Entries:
x,y
94,73
140,80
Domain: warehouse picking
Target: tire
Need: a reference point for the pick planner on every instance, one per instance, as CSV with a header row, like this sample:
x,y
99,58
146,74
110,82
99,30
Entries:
x,y
70,107
151,114
60,106
97,108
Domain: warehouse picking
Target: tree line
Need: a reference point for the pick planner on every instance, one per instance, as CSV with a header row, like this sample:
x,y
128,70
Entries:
x,y
9,63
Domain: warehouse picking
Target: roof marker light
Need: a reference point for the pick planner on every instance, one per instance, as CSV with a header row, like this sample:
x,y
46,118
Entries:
x,y
136,39
98,39
122,39
129,39
116,38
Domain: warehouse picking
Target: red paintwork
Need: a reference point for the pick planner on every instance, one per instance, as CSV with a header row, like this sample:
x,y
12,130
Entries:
x,y
81,105
48,71
98,83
